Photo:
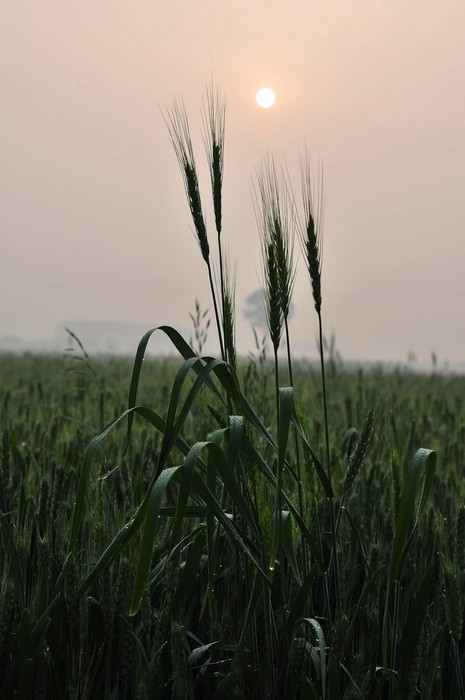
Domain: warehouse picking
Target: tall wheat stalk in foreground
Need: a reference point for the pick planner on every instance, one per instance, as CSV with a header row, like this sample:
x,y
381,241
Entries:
x,y
214,117
178,126
274,207
274,216
276,221
311,237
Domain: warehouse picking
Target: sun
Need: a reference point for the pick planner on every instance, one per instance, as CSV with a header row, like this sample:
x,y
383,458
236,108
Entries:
x,y
265,97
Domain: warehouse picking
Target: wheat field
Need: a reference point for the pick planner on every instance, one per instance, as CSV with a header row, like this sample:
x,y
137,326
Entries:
x,y
217,526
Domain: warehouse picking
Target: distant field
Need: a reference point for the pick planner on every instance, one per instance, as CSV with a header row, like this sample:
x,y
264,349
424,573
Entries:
x,y
206,611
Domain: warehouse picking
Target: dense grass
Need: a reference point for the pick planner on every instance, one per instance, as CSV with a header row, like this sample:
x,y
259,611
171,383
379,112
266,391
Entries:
x,y
202,527
204,588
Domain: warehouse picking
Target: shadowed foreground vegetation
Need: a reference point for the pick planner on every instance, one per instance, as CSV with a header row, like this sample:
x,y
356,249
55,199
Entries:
x,y
202,527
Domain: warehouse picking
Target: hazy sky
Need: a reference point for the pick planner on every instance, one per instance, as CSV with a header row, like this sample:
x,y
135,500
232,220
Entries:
x,y
93,219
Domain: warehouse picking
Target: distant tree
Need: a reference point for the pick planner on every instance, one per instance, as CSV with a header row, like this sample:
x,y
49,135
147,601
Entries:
x,y
255,312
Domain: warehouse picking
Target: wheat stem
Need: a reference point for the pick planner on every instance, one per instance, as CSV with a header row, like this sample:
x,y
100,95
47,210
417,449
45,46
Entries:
x,y
178,127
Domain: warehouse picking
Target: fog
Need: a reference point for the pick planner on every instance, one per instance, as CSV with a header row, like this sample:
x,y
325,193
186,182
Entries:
x,y
93,217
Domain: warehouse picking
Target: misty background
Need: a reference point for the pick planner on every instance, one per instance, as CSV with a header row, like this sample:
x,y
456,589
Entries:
x,y
94,224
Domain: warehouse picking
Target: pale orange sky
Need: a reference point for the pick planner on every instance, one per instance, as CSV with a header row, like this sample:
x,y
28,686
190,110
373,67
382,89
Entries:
x,y
93,217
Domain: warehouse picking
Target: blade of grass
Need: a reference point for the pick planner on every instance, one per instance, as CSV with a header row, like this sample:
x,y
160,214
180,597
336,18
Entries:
x,y
148,536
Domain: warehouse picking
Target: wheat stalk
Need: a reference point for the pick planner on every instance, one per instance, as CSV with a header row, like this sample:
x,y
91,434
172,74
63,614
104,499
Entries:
x,y
358,457
214,117
178,127
229,320
274,209
312,227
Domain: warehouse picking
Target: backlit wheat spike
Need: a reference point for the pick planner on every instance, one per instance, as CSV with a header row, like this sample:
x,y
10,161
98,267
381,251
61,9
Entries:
x,y
229,322
358,457
275,218
272,296
285,272
214,114
312,227
178,127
